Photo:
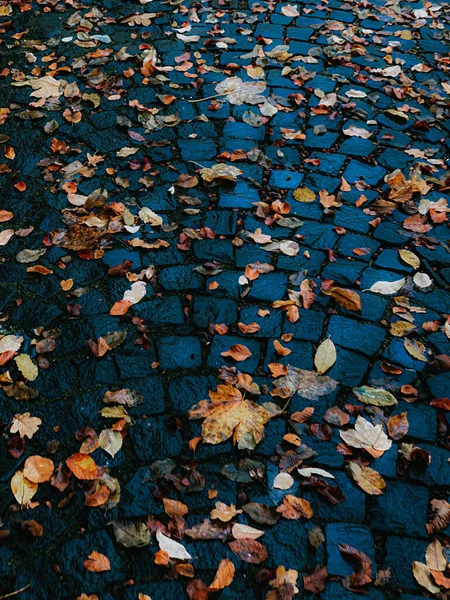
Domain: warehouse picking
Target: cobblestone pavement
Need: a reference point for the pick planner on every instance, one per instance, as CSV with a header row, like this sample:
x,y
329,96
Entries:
x,y
137,276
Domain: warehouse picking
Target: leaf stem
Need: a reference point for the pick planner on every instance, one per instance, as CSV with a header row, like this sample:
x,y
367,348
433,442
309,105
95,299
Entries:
x,y
207,98
16,592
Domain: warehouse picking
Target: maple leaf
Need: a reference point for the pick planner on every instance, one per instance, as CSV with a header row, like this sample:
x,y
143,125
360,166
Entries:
x,y
367,436
220,171
25,425
308,384
229,414
241,92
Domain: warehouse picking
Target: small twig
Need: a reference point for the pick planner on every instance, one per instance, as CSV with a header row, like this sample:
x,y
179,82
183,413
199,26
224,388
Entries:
x,y
16,592
207,98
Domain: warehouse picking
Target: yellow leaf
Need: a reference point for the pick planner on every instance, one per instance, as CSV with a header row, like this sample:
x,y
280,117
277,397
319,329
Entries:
x,y
325,356
229,414
27,367
22,489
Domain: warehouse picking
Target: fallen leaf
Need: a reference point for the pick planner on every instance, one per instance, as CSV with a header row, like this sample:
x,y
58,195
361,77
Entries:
x,y
132,534
422,575
368,479
97,563
293,507
229,413
238,352
249,550
174,549
25,425
307,384
82,466
224,575
387,287
398,426
22,488
367,436
38,469
374,396
283,481
325,356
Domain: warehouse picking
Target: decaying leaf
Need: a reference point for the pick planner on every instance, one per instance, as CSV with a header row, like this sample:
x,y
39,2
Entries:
x,y
224,575
220,171
249,550
374,396
422,575
368,479
241,92
228,414
131,534
307,384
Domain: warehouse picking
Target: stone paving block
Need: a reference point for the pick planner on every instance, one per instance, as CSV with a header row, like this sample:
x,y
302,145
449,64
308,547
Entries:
x,y
402,508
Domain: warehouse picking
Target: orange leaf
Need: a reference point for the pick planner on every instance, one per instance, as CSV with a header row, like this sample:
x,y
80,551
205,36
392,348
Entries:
x,y
281,350
238,351
120,308
82,466
250,328
38,469
97,563
224,575
175,508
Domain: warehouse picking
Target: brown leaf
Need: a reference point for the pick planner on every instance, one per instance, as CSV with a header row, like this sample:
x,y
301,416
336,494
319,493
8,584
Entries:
x,y
224,513
32,527
293,507
398,426
229,414
249,550
316,581
348,299
197,590
303,415
439,517
238,352
363,572
261,513
97,563
368,479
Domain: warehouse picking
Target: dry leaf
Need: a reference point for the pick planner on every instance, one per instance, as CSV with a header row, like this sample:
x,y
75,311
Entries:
x,y
325,356
238,352
25,425
82,466
367,436
22,488
174,549
97,563
229,413
249,550
368,479
224,575
38,469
